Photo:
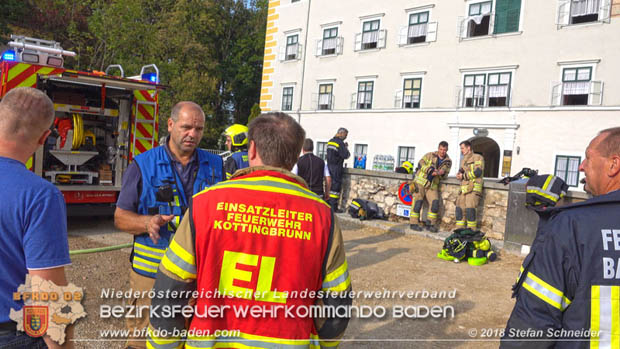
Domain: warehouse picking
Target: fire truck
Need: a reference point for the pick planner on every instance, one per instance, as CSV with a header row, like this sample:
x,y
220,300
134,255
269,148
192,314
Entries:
x,y
102,121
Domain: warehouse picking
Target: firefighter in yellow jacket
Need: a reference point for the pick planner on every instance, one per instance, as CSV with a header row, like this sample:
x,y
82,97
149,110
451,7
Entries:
x,y
432,168
470,174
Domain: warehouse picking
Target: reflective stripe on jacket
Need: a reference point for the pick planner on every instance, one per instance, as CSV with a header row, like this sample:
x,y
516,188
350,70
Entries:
x,y
427,165
267,241
570,279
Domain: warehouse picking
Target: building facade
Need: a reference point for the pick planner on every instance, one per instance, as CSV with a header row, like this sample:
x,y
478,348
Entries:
x,y
529,83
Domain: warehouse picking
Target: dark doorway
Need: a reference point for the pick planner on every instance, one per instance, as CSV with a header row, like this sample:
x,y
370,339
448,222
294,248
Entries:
x,y
489,150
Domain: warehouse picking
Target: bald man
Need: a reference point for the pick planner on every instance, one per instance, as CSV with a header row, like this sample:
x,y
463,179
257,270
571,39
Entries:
x,y
33,232
156,191
568,290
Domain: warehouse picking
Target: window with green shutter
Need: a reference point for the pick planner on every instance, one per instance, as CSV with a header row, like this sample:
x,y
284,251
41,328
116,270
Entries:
x,y
507,15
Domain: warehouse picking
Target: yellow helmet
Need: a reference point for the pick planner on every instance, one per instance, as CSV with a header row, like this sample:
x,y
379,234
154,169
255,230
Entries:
x,y
238,135
407,166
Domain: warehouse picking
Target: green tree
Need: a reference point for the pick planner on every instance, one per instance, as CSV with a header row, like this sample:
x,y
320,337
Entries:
x,y
254,113
207,51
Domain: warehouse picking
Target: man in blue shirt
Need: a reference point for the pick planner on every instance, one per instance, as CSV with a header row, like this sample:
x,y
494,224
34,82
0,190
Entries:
x,y
33,226
157,189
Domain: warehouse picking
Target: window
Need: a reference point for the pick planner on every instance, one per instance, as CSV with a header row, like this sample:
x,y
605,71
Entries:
x,y
583,11
364,94
417,27
478,22
406,154
292,47
325,96
411,93
321,150
360,149
360,152
487,90
507,16
499,89
576,85
473,90
330,41
370,34
287,98
567,168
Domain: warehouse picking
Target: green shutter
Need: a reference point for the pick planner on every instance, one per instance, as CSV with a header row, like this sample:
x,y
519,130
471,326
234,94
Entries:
x,y
507,13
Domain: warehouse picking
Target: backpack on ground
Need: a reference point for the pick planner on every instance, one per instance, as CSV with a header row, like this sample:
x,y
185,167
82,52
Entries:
x,y
365,209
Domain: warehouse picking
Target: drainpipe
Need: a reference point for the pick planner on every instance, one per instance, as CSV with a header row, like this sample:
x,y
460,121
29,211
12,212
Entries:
x,y
303,69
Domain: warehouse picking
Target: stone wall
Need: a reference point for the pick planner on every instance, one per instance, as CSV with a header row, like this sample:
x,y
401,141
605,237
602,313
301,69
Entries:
x,y
382,188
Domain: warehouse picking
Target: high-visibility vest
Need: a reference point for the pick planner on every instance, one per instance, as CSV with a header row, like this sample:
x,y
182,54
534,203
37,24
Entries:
x,y
259,236
157,170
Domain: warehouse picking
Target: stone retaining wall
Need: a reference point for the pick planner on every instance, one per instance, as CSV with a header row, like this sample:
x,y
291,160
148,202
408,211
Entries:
x,y
382,188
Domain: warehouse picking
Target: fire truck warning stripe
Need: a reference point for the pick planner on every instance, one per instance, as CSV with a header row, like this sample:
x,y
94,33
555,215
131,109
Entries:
x,y
139,148
144,112
142,131
144,95
17,69
19,79
142,145
28,77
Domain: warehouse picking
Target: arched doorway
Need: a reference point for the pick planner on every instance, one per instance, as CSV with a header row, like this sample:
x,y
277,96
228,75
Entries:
x,y
489,149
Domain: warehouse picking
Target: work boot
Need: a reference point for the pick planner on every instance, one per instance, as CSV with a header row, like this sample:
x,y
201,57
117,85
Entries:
x,y
415,227
432,228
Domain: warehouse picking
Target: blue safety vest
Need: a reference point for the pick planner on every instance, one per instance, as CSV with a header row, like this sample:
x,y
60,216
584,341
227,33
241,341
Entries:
x,y
157,170
241,159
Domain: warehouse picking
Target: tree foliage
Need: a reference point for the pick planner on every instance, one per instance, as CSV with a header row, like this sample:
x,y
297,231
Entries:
x,y
207,51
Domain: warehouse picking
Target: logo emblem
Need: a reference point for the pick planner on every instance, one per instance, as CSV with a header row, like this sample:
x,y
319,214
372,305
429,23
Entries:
x,y
35,320
404,194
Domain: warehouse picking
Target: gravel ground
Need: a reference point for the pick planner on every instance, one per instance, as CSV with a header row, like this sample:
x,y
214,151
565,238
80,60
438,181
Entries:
x,y
381,258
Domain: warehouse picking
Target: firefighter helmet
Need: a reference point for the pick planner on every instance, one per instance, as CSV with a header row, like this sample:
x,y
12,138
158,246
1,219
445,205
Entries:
x,y
407,166
238,135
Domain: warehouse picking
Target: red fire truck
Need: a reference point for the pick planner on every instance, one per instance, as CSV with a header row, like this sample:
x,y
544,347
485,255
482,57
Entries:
x,y
102,121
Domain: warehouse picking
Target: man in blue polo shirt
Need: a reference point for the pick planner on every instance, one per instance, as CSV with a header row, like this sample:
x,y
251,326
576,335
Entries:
x,y
157,189
33,226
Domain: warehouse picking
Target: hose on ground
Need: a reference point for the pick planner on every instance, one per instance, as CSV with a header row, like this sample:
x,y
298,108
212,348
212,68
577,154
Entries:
x,y
100,249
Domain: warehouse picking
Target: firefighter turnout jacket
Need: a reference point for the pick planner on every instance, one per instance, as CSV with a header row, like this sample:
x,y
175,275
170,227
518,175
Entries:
x,y
236,161
337,152
568,291
427,165
159,175
260,240
472,167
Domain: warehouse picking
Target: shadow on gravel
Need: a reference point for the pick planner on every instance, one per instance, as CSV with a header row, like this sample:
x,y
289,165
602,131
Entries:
x,y
364,257
350,244
412,332
399,228
90,225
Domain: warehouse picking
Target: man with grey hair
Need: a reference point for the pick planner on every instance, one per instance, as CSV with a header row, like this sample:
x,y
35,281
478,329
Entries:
x,y
337,152
156,191
33,214
568,292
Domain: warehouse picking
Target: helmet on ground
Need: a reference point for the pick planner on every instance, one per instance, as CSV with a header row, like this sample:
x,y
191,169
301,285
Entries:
x,y
238,135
